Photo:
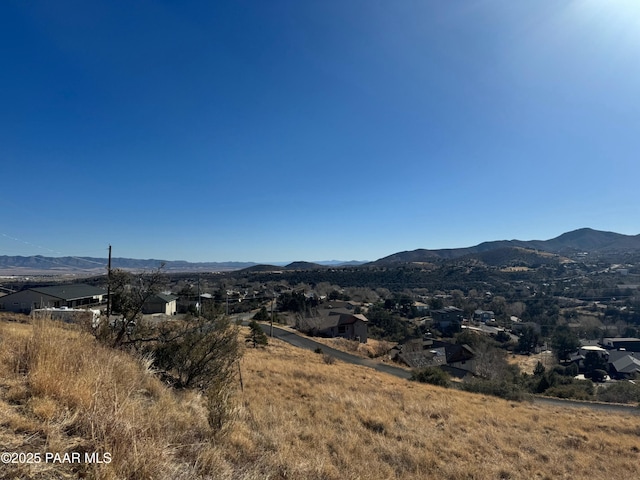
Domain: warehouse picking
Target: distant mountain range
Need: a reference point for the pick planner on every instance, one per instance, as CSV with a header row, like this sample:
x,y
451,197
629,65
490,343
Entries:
x,y
16,265
38,264
585,240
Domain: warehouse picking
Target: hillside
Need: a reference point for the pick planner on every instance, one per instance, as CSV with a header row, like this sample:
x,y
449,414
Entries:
x,y
583,240
298,416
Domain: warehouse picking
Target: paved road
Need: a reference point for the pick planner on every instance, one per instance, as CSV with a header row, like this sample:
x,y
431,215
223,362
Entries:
x,y
306,343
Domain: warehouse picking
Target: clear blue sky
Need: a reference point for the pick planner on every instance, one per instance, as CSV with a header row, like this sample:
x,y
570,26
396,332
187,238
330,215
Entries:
x,y
314,130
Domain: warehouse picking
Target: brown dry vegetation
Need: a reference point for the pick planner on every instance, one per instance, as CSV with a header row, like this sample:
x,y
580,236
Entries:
x,y
297,417
372,349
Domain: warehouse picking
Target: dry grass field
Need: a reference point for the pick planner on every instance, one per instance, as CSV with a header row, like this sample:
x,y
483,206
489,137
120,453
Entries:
x,y
372,349
296,417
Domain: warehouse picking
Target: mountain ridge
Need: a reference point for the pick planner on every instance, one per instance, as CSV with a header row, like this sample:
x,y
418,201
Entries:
x,y
573,242
567,244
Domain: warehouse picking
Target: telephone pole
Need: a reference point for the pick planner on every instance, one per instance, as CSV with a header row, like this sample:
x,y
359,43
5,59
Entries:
x,y
109,286
272,305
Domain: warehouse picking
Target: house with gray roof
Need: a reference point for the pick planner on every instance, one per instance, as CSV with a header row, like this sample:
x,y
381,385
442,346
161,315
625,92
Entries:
x,y
160,303
623,364
336,323
420,353
55,296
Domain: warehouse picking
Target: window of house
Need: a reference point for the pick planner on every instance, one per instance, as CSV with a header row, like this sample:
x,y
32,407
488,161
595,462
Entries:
x,y
342,329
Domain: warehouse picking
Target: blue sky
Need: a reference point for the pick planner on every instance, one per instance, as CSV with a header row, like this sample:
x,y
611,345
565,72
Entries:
x,y
314,130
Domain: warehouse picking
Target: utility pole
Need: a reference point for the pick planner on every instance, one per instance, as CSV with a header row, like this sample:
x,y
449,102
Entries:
x,y
199,298
109,286
272,304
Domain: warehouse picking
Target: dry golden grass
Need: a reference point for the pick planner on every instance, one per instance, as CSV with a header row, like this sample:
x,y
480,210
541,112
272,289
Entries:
x,y
305,419
297,417
62,392
372,349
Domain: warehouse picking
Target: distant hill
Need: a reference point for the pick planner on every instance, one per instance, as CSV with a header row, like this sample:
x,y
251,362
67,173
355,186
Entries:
x,y
263,268
341,263
586,240
304,266
17,265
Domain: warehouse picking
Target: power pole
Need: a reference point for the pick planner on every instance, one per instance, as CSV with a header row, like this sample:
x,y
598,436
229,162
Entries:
x,y
272,303
109,286
199,298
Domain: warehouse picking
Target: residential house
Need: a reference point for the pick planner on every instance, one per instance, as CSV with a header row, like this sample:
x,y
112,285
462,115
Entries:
x,y
71,296
160,303
195,303
346,325
484,316
421,353
579,356
421,308
621,343
448,319
624,365
459,357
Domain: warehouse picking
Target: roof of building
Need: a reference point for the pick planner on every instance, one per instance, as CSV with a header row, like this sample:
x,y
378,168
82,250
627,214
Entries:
x,y
341,319
592,348
480,312
450,309
424,358
163,297
70,292
627,364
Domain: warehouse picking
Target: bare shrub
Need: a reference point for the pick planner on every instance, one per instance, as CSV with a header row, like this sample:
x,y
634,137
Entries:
x,y
328,359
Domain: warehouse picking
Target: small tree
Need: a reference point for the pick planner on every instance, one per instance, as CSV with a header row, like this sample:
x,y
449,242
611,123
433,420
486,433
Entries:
x,y
256,335
539,370
432,375
129,293
261,315
592,362
564,342
197,352
528,340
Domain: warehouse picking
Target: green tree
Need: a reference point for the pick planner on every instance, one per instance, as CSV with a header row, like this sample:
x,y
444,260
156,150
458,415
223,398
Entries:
x,y
503,337
528,340
539,370
564,342
436,303
256,335
592,362
261,315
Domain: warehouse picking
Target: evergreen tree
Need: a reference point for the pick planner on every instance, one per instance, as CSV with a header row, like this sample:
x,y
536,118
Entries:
x,y
261,315
256,335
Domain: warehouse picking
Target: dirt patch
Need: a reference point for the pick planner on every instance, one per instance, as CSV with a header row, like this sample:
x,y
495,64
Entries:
x,y
527,363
